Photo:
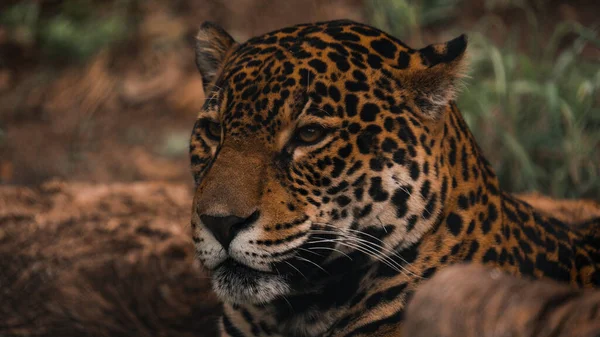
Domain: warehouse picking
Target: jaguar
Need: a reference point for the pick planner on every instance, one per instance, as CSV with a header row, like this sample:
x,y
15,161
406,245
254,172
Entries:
x,y
334,174
484,302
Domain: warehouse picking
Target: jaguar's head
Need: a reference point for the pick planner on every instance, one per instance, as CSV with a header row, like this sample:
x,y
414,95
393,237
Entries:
x,y
316,143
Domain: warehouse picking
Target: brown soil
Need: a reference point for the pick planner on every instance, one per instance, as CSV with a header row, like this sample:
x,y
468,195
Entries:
x,y
110,260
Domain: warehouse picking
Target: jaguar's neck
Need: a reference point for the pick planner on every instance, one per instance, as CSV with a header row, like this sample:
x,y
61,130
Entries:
x,y
482,223
465,171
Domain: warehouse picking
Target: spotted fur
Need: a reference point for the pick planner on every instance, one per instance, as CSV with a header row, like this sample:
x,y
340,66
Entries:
x,y
331,237
474,301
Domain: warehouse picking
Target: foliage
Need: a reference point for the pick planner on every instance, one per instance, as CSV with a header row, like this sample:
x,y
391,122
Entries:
x,y
75,31
405,18
534,110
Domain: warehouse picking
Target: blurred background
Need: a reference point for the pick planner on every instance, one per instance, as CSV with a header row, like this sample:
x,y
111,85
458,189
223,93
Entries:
x,y
107,90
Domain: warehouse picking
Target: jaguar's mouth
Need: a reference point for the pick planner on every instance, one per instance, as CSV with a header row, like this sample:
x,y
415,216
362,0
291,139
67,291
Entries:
x,y
237,269
235,282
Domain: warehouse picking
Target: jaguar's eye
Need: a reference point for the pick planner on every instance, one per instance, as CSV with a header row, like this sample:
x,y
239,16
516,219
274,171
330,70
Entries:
x,y
213,130
310,134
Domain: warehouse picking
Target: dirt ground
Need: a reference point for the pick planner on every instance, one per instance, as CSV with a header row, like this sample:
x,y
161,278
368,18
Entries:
x,y
91,260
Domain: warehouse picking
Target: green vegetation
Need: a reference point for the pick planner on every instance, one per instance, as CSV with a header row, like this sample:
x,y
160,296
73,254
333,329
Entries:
x,y
532,106
76,31
405,18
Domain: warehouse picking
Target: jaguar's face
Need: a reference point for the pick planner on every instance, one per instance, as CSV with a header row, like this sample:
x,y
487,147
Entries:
x,y
311,147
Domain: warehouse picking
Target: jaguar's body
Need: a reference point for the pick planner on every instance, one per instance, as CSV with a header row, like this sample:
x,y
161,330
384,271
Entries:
x,y
474,301
334,174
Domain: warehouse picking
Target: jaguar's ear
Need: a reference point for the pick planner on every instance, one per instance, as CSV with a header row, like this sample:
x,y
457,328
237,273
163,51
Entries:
x,y
435,81
212,46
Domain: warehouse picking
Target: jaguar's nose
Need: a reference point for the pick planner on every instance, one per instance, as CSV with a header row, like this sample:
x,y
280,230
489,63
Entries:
x,y
225,228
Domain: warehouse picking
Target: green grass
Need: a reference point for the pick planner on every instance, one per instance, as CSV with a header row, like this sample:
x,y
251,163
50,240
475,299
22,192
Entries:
x,y
77,31
533,110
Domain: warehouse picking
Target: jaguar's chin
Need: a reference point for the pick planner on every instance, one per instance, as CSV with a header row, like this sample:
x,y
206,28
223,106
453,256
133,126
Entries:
x,y
236,283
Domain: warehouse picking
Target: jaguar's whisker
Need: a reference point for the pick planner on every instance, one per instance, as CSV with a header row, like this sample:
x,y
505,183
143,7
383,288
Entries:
x,y
375,249
298,270
382,258
332,249
366,234
309,261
